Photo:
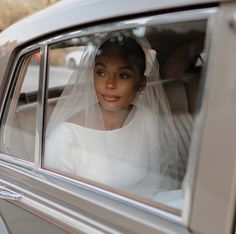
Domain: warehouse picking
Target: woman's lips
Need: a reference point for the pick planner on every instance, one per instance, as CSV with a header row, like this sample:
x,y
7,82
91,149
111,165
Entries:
x,y
110,98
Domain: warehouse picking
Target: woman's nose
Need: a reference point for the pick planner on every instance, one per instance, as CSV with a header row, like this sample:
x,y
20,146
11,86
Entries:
x,y
111,82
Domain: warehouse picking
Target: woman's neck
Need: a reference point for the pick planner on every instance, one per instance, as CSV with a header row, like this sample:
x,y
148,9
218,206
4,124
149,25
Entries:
x,y
115,119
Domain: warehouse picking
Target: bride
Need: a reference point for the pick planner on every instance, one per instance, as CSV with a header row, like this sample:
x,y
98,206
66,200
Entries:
x,y
112,124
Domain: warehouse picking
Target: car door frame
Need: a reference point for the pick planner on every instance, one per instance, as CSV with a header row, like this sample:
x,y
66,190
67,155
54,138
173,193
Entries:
x,y
213,203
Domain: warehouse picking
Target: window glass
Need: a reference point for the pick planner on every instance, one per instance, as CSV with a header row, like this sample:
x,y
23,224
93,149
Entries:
x,y
18,136
121,113
62,63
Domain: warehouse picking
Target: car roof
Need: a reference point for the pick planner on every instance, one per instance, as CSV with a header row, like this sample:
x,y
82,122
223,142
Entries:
x,y
68,13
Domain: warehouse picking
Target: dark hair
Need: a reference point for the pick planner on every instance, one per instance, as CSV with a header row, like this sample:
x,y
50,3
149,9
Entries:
x,y
128,45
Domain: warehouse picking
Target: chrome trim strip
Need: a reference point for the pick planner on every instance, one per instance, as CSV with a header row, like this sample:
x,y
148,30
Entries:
x,y
4,158
40,106
7,194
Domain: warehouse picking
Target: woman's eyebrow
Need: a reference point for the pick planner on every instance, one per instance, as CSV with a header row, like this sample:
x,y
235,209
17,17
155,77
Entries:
x,y
100,64
127,68
121,67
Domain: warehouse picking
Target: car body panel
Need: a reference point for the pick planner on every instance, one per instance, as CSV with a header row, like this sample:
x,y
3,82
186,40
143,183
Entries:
x,y
217,199
84,12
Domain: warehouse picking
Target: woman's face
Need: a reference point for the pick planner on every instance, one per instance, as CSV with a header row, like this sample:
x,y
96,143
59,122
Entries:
x,y
117,79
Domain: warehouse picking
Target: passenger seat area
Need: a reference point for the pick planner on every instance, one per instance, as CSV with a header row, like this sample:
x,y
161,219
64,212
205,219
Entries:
x,y
182,100
180,71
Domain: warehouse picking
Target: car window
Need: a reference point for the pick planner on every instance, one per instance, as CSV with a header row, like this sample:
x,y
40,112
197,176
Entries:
x,y
174,59
19,122
62,62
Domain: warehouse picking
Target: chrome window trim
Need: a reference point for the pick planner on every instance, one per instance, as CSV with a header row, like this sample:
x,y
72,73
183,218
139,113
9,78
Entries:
x,y
43,81
175,17
15,161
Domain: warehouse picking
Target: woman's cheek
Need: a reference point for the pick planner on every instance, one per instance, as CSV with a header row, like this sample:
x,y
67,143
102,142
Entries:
x,y
97,84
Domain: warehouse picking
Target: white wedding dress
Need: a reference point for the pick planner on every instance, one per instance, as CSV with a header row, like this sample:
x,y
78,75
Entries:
x,y
106,157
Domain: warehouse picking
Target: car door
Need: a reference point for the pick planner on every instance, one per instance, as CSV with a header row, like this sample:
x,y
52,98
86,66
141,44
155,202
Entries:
x,y
38,198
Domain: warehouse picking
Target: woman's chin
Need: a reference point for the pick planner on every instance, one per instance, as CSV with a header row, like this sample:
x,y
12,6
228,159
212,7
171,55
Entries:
x,y
112,107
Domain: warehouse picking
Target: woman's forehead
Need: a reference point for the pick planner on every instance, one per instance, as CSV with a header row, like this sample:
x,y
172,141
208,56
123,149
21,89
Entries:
x,y
115,53
118,53
118,59
112,49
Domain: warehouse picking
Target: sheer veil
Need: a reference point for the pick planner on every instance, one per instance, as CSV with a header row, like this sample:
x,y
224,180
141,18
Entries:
x,y
154,126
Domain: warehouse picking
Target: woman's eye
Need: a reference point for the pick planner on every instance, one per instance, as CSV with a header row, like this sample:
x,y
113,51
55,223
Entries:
x,y
124,76
100,73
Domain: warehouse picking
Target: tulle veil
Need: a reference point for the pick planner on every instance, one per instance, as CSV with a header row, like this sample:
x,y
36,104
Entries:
x,y
161,168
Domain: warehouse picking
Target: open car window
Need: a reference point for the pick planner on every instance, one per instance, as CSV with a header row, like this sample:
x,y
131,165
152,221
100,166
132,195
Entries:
x,y
178,48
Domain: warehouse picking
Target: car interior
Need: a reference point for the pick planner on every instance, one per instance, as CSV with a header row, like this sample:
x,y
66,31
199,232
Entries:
x,y
180,57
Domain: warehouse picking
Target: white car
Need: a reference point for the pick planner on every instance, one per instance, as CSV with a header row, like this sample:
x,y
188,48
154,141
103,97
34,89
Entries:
x,y
201,91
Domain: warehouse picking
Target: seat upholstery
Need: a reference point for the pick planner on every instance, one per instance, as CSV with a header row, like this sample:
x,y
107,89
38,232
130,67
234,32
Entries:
x,y
182,97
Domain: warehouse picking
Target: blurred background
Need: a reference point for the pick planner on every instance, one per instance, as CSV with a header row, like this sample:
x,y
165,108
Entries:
x,y
13,10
